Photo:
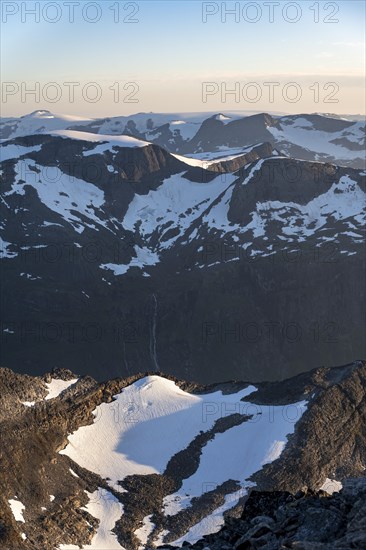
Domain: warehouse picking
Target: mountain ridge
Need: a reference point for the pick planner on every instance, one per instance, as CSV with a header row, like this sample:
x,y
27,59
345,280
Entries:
x,y
52,420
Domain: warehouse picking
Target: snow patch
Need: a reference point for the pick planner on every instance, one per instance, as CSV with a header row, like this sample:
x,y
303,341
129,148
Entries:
x,y
71,198
105,507
56,387
143,258
143,532
106,142
211,523
331,486
17,508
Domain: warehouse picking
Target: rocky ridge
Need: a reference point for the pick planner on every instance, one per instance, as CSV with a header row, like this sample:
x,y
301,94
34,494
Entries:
x,y
329,442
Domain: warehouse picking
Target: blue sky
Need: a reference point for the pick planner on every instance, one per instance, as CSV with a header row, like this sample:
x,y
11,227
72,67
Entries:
x,y
169,53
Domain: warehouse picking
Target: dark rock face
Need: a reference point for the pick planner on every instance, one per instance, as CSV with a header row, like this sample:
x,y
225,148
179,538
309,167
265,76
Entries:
x,y
264,150
238,133
285,181
232,271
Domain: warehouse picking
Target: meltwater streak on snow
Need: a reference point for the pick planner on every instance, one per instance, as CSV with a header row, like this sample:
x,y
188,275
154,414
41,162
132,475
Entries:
x,y
57,386
17,508
115,445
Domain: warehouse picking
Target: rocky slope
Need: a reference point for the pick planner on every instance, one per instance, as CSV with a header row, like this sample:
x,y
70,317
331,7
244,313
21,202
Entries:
x,y
125,257
133,463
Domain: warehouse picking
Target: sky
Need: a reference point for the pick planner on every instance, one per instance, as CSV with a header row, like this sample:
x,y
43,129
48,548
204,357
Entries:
x,y
112,58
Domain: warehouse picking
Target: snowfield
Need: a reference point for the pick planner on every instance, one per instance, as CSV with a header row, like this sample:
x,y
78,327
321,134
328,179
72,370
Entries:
x,y
123,438
178,202
115,445
70,197
301,132
106,142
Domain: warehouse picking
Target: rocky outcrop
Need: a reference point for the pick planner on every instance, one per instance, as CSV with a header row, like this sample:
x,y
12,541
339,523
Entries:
x,y
307,520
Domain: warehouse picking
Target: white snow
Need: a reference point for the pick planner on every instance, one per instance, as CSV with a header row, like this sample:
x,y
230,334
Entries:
x,y
118,269
143,258
143,532
331,486
223,118
28,403
206,160
4,252
105,507
115,445
274,452
192,161
17,508
252,444
301,132
41,122
52,498
211,523
11,151
343,200
187,129
104,142
70,197
57,386
177,202
223,153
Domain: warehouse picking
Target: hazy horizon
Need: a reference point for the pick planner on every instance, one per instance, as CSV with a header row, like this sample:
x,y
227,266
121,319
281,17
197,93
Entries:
x,y
188,114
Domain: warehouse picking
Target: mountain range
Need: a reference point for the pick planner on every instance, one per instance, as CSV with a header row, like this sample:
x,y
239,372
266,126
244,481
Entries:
x,y
124,250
